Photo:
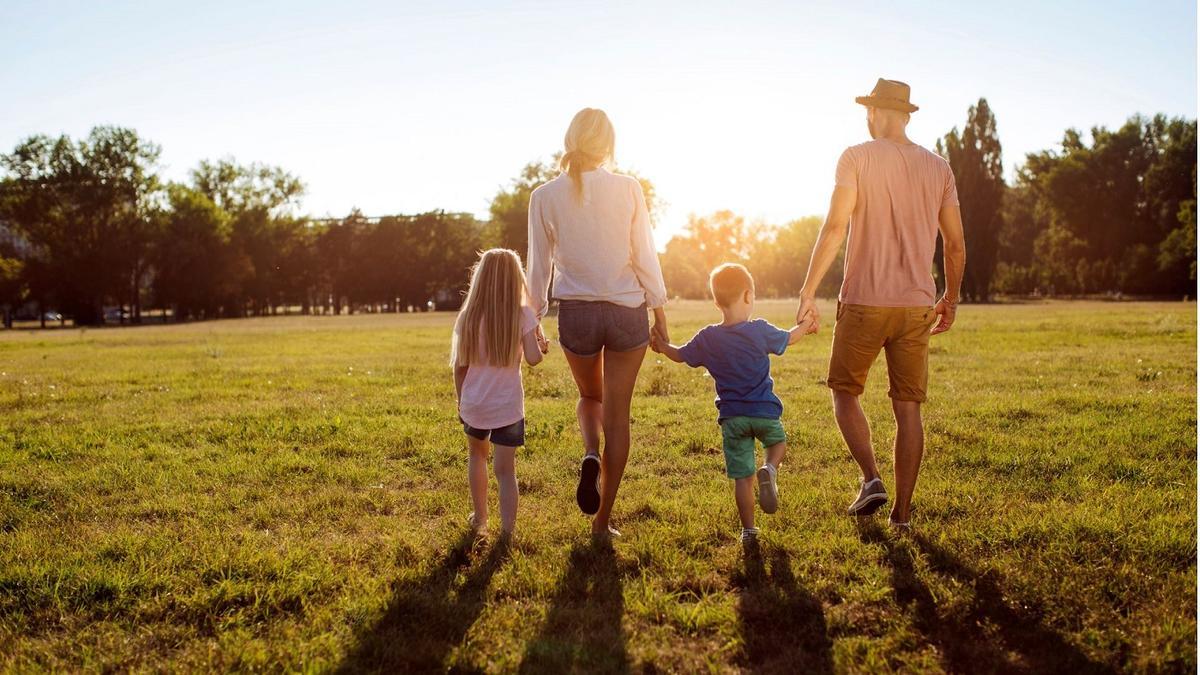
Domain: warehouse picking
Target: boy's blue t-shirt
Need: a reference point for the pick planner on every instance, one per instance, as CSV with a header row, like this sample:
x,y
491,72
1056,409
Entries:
x,y
736,357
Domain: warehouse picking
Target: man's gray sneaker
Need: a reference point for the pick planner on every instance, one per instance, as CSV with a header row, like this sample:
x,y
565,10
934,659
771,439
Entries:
x,y
871,496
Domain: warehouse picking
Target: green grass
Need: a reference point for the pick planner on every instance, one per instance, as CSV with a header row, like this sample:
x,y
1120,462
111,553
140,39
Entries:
x,y
290,493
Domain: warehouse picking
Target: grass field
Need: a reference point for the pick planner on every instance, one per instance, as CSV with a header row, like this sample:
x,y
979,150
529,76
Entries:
x,y
290,494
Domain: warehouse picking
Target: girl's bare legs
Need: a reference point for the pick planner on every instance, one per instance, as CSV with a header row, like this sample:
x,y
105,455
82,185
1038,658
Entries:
x,y
477,457
620,375
503,463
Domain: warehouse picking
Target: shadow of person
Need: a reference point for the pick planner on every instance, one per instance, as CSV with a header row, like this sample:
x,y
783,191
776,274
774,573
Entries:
x,y
582,630
782,625
428,616
989,635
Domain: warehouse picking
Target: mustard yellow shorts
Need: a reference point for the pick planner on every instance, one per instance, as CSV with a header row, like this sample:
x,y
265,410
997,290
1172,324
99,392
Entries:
x,y
901,332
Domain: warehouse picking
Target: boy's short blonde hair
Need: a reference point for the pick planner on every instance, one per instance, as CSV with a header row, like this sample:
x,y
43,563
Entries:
x,y
728,281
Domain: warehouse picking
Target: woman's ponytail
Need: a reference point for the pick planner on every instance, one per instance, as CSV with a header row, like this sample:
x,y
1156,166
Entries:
x,y
589,143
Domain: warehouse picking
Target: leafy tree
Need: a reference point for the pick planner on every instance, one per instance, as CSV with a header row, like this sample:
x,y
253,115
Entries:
x,y
335,253
239,188
705,243
297,273
449,242
509,211
197,271
87,207
1113,206
1024,219
12,284
399,261
781,256
1177,253
975,159
259,200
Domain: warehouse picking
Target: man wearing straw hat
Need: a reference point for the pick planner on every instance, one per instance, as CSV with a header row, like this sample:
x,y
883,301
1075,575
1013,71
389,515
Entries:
x,y
892,197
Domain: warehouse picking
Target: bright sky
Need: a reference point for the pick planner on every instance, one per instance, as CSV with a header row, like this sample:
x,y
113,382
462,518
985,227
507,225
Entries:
x,y
408,107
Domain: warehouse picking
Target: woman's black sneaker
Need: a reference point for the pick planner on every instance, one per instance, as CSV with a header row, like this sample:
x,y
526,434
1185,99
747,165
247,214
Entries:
x,y
587,495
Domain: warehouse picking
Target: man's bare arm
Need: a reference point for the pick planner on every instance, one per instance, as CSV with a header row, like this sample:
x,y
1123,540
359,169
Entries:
x,y
954,251
829,241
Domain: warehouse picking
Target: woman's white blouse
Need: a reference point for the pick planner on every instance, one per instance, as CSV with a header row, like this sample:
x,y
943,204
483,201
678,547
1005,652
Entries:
x,y
599,247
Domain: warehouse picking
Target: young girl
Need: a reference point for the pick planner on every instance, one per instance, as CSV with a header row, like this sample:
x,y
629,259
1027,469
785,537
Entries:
x,y
493,330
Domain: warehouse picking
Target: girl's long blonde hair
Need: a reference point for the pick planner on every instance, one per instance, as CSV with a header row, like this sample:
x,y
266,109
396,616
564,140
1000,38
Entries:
x,y
589,143
492,309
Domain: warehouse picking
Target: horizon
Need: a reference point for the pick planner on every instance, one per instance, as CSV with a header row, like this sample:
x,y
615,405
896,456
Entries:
x,y
404,110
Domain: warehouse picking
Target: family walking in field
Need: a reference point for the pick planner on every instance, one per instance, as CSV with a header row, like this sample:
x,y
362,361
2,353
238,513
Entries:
x,y
589,229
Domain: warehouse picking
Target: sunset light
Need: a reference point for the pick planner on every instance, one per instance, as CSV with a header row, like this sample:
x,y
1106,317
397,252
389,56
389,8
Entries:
x,y
516,337
403,108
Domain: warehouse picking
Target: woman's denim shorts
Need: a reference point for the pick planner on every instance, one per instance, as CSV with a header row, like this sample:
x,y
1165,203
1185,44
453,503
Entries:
x,y
587,326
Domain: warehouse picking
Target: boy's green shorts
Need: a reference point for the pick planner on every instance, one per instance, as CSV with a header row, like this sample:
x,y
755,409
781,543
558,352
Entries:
x,y
739,433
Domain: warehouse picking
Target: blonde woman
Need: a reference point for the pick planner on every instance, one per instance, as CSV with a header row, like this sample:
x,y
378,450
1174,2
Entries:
x,y
493,331
590,227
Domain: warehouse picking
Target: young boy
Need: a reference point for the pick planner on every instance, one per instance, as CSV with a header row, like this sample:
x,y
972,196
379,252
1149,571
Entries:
x,y
735,354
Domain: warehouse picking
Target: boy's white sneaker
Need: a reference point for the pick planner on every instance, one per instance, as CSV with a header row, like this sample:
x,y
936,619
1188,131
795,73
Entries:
x,y
768,491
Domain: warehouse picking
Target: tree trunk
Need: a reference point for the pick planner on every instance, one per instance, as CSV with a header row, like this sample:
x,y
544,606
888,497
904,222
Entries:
x,y
136,316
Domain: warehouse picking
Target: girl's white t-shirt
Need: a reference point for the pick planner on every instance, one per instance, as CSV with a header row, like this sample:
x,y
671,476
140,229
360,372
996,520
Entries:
x,y
492,396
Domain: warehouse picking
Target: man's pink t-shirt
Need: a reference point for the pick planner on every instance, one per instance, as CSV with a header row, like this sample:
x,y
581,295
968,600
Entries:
x,y
894,228
492,396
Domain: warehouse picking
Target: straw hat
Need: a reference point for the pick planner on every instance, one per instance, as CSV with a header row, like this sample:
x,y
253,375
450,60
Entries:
x,y
888,94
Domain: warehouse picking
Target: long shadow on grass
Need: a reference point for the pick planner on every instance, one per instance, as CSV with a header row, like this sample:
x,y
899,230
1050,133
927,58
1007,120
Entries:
x,y
428,616
989,635
582,631
781,623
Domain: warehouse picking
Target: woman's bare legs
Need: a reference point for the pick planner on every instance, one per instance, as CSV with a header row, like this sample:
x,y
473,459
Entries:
x,y
589,378
620,376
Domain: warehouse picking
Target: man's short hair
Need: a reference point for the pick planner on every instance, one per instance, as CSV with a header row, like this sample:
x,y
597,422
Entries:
x,y
728,281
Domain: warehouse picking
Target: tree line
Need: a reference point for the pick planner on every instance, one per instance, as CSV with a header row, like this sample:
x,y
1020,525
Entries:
x,y
88,224
1113,214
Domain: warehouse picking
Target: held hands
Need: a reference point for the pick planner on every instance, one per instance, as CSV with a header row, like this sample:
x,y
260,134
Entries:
x,y
945,311
542,342
659,329
807,312
665,348
808,325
